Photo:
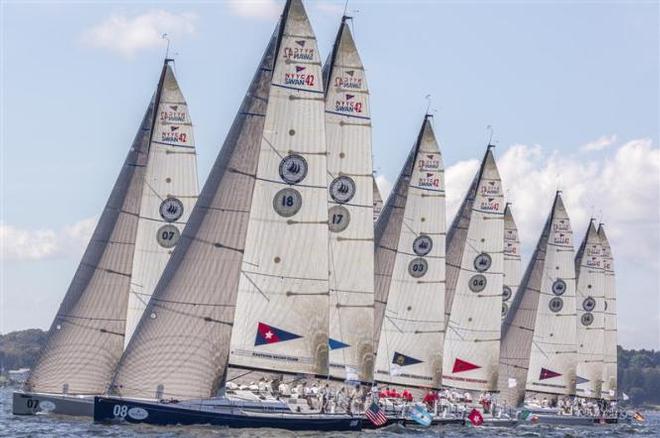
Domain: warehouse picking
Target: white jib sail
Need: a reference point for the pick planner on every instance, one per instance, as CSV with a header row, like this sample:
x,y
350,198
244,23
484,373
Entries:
x,y
609,390
553,356
472,338
590,300
512,261
281,320
411,338
350,211
169,193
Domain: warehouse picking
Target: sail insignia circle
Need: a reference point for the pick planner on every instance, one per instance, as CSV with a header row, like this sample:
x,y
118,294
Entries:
x,y
587,318
478,283
168,236
505,309
556,304
171,209
342,189
287,202
417,267
422,245
338,218
589,304
293,169
559,287
482,262
506,293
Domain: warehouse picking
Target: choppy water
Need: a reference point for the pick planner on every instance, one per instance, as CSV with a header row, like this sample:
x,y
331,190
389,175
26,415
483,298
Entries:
x,y
47,426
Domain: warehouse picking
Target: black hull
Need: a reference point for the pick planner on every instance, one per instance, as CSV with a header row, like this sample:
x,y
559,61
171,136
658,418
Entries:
x,y
108,409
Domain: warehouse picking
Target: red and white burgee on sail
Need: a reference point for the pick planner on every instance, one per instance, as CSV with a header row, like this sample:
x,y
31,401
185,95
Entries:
x,y
548,374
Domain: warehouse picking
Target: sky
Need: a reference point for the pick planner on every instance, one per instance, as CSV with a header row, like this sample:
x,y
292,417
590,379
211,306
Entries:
x,y
571,90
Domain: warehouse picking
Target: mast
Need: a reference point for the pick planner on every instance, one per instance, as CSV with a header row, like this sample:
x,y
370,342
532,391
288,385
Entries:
x,y
512,261
538,351
350,214
476,261
171,190
410,270
180,348
86,338
609,389
281,321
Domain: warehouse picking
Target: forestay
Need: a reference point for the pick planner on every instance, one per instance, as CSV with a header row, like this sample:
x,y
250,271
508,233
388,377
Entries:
x,y
476,260
86,338
281,320
181,345
609,389
410,270
512,261
590,300
350,211
170,191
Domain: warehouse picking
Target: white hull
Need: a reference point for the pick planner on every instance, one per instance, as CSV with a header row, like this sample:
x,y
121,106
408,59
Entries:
x,y
29,403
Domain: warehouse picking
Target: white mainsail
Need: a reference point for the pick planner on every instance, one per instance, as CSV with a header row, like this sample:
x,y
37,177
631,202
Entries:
x,y
590,300
538,351
350,214
475,259
181,345
170,191
281,320
609,388
512,261
410,270
378,201
86,338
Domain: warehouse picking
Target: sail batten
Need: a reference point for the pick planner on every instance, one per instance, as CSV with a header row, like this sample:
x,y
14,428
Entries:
x,y
475,275
410,271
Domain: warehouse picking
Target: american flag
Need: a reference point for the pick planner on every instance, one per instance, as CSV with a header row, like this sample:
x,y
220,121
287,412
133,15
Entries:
x,y
375,414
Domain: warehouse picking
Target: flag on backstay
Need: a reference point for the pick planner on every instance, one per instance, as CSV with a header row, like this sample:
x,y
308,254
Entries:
x,y
420,415
375,414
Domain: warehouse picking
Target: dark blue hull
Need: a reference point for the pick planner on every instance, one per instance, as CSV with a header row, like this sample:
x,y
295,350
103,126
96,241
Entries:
x,y
108,409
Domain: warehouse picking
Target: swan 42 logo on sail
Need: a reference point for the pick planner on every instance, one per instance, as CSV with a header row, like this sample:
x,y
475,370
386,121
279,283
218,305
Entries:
x,y
173,135
348,105
349,80
299,78
299,52
173,114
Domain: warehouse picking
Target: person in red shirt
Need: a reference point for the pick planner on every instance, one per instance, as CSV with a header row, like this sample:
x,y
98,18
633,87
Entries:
x,y
430,398
384,393
406,395
393,394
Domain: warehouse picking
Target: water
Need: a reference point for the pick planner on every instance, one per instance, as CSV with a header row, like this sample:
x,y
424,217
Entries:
x,y
47,426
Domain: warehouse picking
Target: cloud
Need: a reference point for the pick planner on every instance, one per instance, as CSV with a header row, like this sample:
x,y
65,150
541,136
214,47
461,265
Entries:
x,y
22,244
127,35
598,145
384,186
256,9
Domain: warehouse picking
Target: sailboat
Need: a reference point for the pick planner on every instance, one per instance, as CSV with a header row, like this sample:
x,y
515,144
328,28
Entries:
x,y
590,299
248,286
350,211
609,388
512,261
475,276
410,271
539,343
138,229
378,202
